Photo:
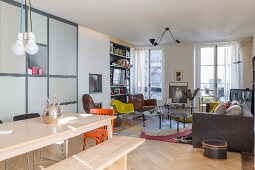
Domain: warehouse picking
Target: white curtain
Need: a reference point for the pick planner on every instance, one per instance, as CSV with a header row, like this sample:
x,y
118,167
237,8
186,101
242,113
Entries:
x,y
138,70
233,67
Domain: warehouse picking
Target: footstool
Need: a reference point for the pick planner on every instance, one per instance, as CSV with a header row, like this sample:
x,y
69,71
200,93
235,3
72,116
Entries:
x,y
216,149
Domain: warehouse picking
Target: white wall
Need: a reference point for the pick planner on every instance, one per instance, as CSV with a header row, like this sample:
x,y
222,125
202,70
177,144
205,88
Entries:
x,y
94,57
179,57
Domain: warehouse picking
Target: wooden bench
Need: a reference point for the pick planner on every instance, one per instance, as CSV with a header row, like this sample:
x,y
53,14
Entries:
x,y
109,155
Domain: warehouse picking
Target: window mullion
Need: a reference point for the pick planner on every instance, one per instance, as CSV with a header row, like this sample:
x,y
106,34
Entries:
x,y
215,71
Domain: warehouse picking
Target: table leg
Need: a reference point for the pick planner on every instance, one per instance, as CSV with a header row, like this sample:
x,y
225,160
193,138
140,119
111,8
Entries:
x,y
160,117
143,120
177,124
5,165
170,120
109,129
66,148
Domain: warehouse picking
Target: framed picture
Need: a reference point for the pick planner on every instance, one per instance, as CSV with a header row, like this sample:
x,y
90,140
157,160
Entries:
x,y
176,92
95,83
178,76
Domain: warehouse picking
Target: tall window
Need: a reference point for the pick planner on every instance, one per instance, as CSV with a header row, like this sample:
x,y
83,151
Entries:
x,y
147,72
219,70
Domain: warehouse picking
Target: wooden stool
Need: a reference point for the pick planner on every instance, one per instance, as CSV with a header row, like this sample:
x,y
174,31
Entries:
x,y
216,149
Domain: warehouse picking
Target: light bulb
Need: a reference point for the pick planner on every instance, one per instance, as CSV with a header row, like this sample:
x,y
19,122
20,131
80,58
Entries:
x,y
18,48
31,46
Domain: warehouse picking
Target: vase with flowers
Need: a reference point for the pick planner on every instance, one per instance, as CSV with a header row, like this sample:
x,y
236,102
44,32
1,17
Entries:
x,y
191,95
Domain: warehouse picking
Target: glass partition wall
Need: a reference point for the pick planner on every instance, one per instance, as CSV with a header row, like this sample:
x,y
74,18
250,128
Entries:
x,y
23,92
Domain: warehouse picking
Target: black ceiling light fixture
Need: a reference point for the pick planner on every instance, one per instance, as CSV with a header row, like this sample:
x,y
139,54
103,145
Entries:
x,y
156,42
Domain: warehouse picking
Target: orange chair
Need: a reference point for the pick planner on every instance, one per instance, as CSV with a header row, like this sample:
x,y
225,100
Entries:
x,y
101,133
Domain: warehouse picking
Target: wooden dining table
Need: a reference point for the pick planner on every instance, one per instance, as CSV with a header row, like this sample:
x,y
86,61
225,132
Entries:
x,y
24,136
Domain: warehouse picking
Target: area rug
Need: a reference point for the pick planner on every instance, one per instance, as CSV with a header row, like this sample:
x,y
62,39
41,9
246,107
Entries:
x,y
166,138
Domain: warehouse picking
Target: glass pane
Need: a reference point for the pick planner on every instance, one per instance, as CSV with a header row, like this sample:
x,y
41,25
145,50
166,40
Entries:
x,y
207,89
64,88
207,56
156,91
70,108
221,55
146,66
156,74
40,28
156,66
37,94
221,74
207,74
13,97
62,48
9,26
39,60
220,92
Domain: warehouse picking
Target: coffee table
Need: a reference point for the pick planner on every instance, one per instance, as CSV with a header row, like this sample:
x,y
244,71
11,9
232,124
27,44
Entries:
x,y
178,115
152,114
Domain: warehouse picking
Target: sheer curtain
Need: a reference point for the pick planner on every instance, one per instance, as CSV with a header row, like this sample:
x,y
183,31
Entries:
x,y
138,71
233,67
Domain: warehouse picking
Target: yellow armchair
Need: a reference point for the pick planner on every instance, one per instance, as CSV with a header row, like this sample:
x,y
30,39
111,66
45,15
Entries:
x,y
122,108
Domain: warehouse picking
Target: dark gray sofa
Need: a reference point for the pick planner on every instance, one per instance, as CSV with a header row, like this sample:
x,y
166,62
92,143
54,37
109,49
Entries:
x,y
236,130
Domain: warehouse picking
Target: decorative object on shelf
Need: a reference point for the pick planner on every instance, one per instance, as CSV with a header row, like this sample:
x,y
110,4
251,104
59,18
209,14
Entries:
x,y
25,41
34,70
52,112
29,71
95,83
178,75
40,72
156,42
123,63
190,95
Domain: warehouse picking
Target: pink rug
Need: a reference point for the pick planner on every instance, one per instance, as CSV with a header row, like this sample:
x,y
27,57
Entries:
x,y
166,138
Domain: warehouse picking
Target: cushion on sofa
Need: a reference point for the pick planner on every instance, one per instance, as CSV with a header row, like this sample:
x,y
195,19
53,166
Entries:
x,y
234,110
235,102
220,109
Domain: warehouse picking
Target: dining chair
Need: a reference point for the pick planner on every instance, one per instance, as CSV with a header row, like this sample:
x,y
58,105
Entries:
x,y
122,108
1,121
99,134
26,116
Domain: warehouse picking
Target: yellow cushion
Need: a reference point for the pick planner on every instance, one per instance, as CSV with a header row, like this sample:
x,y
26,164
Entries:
x,y
213,106
187,120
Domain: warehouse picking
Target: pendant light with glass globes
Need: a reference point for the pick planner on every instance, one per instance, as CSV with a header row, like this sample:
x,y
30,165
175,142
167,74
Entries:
x,y
25,41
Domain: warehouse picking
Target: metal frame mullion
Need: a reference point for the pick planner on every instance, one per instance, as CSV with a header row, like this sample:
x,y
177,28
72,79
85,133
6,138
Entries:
x,y
215,71
149,74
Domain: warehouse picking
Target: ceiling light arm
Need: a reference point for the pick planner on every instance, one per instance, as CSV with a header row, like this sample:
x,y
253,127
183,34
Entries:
x,y
171,35
160,37
177,41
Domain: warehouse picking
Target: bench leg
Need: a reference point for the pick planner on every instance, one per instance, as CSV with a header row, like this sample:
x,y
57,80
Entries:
x,y
121,164
109,129
66,148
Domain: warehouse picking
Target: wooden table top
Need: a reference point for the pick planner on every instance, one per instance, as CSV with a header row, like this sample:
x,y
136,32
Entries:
x,y
27,135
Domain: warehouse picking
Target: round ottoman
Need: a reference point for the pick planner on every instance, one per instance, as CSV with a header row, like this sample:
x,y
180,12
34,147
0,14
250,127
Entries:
x,y
216,149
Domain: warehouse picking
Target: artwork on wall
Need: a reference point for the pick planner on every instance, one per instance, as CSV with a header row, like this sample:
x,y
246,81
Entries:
x,y
176,92
178,75
95,83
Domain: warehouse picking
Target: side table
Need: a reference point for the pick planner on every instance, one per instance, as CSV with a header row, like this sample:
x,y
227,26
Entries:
x,y
178,115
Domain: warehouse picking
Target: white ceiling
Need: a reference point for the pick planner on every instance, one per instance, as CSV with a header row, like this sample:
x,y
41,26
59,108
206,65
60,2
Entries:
x,y
135,21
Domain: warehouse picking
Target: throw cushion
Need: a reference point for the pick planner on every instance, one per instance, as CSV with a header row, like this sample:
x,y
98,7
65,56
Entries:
x,y
234,110
235,102
220,109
